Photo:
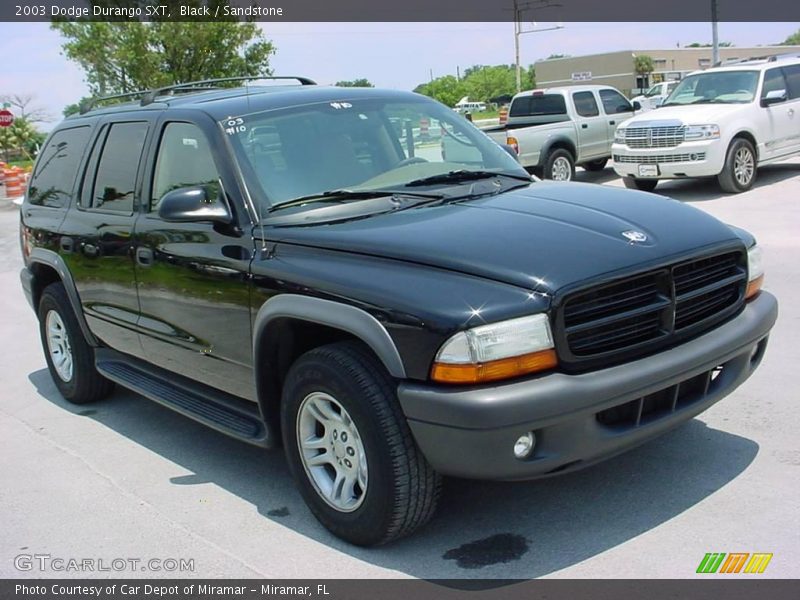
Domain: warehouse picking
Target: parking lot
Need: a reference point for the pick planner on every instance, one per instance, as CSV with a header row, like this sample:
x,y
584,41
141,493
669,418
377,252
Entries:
x,y
127,478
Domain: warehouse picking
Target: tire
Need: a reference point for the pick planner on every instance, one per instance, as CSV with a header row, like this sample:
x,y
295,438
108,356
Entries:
x,y
645,185
559,161
400,489
75,376
739,171
595,165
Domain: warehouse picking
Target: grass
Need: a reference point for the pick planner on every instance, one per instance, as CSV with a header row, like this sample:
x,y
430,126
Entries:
x,y
23,162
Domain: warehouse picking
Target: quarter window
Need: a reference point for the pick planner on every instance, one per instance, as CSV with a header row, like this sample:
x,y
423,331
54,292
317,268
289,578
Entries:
x,y
185,160
585,104
115,179
57,166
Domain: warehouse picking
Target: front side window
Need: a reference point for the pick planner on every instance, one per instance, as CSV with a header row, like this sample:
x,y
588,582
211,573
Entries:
x,y
363,145
720,87
614,102
115,179
57,167
585,104
792,75
773,81
185,160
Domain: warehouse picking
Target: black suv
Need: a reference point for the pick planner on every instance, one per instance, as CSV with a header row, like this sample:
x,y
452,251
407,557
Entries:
x,y
366,278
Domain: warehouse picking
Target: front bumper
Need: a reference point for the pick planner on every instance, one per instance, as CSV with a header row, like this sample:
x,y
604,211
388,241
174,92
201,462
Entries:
x,y
581,419
689,159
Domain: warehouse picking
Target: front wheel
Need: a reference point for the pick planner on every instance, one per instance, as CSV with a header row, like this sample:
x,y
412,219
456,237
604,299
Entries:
x,y
559,165
349,447
739,171
70,358
645,185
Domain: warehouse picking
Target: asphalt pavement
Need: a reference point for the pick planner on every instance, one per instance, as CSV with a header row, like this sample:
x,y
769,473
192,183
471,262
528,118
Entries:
x,y
126,479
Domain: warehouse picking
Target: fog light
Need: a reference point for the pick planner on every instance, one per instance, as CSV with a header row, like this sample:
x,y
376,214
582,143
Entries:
x,y
523,447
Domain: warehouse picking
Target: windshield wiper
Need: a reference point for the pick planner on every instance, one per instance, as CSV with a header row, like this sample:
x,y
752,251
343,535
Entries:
x,y
462,175
345,195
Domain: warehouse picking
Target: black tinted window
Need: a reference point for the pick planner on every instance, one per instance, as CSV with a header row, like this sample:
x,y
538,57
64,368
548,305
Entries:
x,y
57,166
185,160
773,80
585,104
116,172
614,102
533,106
793,81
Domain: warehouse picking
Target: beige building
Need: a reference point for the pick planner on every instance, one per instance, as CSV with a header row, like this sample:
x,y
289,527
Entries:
x,y
617,68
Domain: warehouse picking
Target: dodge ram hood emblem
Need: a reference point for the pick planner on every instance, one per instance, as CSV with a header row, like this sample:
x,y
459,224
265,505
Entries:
x,y
634,237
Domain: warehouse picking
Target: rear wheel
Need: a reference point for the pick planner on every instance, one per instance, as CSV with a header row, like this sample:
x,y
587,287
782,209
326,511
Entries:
x,y
559,165
350,449
70,358
595,165
645,185
739,171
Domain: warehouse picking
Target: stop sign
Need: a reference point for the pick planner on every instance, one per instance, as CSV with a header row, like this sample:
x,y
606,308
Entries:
x,y
6,118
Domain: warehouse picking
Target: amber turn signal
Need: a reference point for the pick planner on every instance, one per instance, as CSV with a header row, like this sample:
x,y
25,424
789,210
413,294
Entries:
x,y
753,287
504,368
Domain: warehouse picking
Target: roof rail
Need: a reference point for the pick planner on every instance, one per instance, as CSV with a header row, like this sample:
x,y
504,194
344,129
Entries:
x,y
150,96
764,57
776,57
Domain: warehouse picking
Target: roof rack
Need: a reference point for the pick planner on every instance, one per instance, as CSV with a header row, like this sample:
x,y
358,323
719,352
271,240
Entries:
x,y
149,96
764,58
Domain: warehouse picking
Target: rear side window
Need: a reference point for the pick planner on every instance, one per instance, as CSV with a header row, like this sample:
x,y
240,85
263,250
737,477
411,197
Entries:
x,y
57,167
115,179
185,160
540,105
793,81
585,104
614,102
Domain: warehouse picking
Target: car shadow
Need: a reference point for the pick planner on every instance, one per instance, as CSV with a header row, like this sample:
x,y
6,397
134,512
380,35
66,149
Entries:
x,y
707,188
603,176
486,530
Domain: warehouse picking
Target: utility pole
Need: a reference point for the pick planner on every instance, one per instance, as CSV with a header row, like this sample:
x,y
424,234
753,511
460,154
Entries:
x,y
714,34
518,31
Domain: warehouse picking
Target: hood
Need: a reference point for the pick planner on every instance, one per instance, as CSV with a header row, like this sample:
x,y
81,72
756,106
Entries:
x,y
690,114
541,237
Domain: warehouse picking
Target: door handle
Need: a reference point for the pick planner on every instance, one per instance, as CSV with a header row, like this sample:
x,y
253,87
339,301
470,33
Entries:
x,y
584,126
612,122
67,244
790,112
91,250
144,256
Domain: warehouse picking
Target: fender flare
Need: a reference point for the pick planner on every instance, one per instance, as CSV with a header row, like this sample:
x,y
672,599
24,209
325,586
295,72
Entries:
x,y
332,314
54,261
552,142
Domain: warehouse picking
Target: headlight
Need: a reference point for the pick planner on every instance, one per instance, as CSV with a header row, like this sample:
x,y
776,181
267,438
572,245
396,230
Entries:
x,y
619,135
496,351
755,271
701,132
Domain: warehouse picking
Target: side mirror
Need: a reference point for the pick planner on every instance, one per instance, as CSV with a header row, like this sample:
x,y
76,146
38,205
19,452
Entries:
x,y
636,105
774,97
191,205
510,149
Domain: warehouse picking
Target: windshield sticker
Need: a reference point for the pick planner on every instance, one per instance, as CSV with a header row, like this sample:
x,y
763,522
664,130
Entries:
x,y
234,125
340,105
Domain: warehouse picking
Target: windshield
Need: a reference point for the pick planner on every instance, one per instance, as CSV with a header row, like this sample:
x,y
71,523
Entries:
x,y
719,87
358,144
653,91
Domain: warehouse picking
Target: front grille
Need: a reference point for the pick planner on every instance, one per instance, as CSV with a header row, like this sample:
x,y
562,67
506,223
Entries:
x,y
660,404
635,314
654,137
655,159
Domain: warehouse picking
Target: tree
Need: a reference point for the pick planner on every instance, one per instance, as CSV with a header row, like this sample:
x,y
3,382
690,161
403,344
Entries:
x,y
447,89
485,83
355,83
22,104
699,45
21,136
643,65
793,40
125,56
552,56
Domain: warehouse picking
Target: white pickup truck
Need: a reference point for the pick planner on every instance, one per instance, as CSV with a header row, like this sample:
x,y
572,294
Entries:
x,y
554,129
723,122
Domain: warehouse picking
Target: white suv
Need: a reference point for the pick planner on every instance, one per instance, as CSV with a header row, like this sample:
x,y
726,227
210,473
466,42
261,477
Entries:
x,y
723,122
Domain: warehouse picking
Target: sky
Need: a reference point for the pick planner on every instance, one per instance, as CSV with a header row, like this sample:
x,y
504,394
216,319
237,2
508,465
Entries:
x,y
390,55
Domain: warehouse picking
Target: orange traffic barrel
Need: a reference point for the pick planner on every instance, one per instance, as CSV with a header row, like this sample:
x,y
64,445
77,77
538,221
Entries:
x,y
13,179
503,115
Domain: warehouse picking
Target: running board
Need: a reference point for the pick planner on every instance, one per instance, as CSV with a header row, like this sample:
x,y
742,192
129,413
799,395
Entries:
x,y
227,414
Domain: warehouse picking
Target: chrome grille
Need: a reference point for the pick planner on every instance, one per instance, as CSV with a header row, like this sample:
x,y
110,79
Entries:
x,y
655,159
633,315
654,137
